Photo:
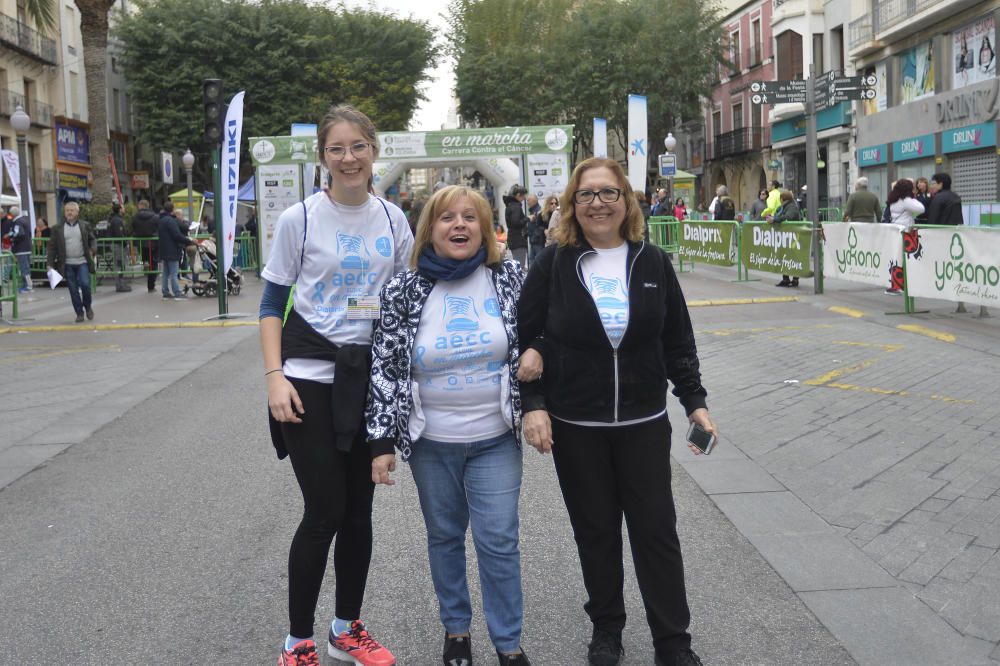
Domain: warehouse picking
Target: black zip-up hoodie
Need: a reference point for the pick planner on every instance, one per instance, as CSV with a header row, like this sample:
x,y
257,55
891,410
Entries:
x,y
585,378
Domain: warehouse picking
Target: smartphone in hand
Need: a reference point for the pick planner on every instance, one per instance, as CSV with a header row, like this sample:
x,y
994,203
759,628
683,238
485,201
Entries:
x,y
704,440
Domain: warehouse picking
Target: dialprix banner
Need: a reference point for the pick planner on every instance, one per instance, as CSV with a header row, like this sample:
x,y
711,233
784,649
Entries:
x,y
777,248
862,252
957,264
708,242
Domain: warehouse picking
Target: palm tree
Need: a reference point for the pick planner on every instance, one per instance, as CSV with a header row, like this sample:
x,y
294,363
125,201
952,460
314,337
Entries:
x,y
94,30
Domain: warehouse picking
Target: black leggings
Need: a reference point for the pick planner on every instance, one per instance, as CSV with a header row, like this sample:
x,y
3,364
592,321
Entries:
x,y
337,492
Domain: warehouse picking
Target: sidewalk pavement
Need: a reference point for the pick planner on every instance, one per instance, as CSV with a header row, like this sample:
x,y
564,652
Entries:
x,y
860,452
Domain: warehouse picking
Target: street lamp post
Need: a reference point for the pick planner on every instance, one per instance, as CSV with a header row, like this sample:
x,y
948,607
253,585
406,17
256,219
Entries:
x,y
670,143
188,160
21,123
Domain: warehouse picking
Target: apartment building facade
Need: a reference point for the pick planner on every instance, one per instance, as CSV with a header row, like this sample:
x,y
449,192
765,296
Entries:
x,y
937,108
738,132
29,78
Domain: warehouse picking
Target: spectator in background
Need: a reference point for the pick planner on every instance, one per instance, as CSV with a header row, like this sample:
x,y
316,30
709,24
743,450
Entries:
x,y
537,229
71,252
42,229
946,206
725,207
680,210
662,205
20,246
788,212
758,206
553,223
773,199
120,249
903,205
144,226
172,243
923,195
862,205
644,206
517,225
803,200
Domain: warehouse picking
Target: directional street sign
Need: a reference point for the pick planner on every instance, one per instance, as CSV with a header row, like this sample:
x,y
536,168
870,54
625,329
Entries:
x,y
831,89
778,92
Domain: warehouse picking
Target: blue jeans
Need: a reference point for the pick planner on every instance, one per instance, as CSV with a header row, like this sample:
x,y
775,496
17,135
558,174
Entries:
x,y
24,265
170,271
78,280
482,481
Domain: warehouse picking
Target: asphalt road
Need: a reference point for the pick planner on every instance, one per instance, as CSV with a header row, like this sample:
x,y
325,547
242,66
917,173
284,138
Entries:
x,y
162,539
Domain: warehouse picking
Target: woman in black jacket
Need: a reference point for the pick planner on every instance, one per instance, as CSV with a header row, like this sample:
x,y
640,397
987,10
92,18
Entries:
x,y
789,211
615,329
517,225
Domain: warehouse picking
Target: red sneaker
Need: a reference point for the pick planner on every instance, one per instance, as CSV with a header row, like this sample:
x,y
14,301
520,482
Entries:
x,y
303,654
355,646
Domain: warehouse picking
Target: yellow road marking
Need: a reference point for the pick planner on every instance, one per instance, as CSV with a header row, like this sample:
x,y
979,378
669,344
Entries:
x,y
125,327
840,372
944,398
722,332
888,348
850,312
18,358
742,301
929,332
855,387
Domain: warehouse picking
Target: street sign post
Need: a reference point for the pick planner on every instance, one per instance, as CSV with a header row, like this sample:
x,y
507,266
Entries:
x,y
831,89
778,92
668,165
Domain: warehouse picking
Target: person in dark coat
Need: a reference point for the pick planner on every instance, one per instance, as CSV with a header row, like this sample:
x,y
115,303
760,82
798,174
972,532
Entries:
x,y
517,223
121,249
172,243
946,206
789,211
144,226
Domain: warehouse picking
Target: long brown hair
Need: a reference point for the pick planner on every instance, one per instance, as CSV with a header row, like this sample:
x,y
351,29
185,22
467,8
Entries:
x,y
569,230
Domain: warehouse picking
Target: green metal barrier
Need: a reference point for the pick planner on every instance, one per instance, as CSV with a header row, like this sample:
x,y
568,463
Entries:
x,y
10,279
833,214
664,232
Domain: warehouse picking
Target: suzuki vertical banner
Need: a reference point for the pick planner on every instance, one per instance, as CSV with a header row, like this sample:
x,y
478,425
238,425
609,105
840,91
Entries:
x,y
708,242
600,137
863,252
637,144
954,264
777,248
233,133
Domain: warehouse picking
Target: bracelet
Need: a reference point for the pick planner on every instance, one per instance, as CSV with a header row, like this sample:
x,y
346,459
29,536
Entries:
x,y
275,370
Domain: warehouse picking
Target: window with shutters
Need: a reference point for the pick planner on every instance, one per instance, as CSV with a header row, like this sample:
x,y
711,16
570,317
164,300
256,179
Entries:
x,y
974,177
789,55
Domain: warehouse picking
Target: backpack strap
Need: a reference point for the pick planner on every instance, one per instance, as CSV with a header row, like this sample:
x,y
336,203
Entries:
x,y
305,226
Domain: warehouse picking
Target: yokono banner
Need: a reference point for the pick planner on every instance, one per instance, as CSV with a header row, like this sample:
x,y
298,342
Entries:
x,y
862,252
959,264
777,248
708,243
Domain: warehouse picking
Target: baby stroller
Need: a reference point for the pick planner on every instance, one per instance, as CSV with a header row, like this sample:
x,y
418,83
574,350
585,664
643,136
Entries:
x,y
209,286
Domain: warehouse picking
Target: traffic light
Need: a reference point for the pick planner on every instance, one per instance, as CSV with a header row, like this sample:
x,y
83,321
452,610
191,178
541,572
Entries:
x,y
215,113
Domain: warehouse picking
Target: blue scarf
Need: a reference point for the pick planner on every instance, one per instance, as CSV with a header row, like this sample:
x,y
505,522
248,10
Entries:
x,y
434,267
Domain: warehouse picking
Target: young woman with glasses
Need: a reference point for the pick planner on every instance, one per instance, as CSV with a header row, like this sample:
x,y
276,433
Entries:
x,y
338,248
614,328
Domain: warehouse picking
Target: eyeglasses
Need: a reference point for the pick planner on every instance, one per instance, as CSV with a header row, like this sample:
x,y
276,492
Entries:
x,y
607,195
359,149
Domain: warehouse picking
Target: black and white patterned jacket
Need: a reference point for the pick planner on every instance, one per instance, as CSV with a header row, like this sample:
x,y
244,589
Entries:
x,y
390,396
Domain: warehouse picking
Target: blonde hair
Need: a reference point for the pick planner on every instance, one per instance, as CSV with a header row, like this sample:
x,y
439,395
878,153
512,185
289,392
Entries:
x,y
569,230
441,201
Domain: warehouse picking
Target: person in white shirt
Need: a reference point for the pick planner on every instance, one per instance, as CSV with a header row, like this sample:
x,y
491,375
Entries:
x,y
444,391
904,207
338,248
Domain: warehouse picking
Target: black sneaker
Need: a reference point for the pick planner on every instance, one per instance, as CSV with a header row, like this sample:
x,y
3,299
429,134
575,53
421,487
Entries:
x,y
605,648
79,318
686,657
457,650
90,313
784,283
519,659
794,283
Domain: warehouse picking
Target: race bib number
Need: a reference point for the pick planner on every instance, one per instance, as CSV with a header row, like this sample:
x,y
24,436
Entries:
x,y
364,307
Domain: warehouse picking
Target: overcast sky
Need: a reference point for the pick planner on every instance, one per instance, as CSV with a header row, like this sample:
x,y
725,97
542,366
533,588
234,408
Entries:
x,y
432,113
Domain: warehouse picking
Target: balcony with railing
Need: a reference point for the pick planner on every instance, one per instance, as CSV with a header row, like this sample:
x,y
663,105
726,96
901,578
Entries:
x,y
861,32
738,142
40,112
19,37
890,19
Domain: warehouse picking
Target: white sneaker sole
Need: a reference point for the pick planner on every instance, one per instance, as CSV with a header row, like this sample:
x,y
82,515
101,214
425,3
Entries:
x,y
344,657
